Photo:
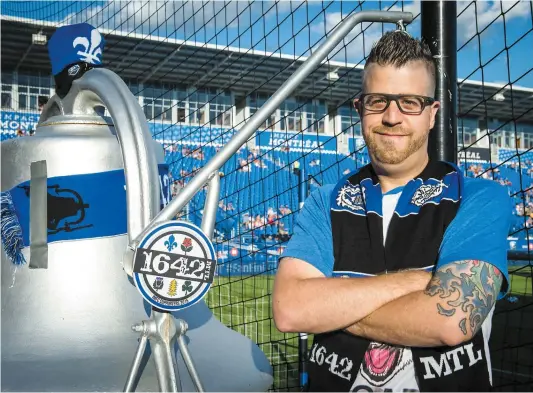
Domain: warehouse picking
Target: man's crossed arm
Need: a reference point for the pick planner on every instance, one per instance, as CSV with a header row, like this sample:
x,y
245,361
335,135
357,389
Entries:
x,y
449,311
408,308
306,301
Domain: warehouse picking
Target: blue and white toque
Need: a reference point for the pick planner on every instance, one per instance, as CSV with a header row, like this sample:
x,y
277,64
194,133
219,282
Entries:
x,y
73,44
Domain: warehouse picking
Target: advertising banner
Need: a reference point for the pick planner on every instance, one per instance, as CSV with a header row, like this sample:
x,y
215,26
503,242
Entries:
x,y
474,154
13,121
296,141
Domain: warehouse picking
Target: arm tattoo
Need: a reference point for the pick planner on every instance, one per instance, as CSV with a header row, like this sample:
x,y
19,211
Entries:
x,y
471,286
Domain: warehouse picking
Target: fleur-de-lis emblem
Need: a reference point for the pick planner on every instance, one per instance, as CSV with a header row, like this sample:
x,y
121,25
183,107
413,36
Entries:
x,y
91,48
171,243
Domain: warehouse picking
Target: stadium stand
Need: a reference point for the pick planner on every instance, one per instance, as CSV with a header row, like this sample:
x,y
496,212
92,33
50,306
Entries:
x,y
259,188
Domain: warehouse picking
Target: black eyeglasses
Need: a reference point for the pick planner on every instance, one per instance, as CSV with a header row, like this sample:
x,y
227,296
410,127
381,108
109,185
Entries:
x,y
407,103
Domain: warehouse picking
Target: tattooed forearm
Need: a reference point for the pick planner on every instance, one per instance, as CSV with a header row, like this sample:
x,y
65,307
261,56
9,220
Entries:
x,y
467,286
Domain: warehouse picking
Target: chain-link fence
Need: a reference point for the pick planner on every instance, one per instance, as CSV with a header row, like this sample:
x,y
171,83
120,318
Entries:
x,y
200,70
495,125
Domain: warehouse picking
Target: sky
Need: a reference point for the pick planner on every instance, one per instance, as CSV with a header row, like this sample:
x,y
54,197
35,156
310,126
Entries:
x,y
494,38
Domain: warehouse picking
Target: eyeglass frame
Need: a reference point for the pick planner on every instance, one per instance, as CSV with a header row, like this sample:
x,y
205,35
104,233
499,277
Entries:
x,y
394,97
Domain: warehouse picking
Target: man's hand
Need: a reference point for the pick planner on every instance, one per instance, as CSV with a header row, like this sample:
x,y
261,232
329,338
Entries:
x,y
306,301
449,311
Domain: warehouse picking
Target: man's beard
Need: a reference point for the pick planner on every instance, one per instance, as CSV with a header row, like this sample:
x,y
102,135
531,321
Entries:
x,y
387,152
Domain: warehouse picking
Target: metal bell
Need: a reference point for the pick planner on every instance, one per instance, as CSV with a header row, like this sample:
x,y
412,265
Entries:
x,y
82,188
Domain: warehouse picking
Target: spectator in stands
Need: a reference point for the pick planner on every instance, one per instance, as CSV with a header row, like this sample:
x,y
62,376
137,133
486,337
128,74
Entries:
x,y
42,101
259,221
247,221
285,210
271,216
244,167
198,154
397,307
283,234
176,186
519,209
259,163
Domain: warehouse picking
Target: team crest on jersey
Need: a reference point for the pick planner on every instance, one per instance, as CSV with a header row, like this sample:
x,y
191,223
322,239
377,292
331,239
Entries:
x,y
351,196
174,265
427,192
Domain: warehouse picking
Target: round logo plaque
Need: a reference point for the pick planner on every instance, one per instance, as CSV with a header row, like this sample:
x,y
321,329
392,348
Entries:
x,y
174,265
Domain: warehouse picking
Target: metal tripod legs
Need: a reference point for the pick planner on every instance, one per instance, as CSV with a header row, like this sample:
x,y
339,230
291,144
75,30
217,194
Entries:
x,y
162,329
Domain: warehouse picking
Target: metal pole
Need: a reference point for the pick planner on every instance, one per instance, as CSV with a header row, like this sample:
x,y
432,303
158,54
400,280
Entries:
x,y
186,355
302,337
240,138
211,206
162,335
439,30
302,185
302,361
161,331
134,370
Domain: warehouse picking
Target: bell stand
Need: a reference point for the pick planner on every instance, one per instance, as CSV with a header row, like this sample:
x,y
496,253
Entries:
x,y
161,328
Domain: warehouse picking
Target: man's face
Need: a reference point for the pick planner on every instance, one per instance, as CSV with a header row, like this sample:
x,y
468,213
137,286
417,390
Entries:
x,y
392,136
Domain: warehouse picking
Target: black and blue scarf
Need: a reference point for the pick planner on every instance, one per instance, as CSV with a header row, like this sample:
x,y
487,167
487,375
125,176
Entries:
x,y
425,208
80,206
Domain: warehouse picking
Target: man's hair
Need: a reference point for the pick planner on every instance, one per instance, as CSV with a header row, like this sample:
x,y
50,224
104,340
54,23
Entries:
x,y
398,48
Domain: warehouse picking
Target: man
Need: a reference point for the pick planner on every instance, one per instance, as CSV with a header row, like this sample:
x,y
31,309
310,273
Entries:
x,y
42,101
396,269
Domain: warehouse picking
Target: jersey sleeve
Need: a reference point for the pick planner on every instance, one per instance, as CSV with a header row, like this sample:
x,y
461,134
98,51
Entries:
x,y
312,239
479,230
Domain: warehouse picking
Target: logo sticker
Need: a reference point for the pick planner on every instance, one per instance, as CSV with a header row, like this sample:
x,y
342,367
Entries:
x,y
174,265
72,71
66,209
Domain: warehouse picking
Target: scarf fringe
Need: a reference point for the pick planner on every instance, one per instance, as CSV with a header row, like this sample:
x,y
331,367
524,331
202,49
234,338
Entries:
x,y
11,230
